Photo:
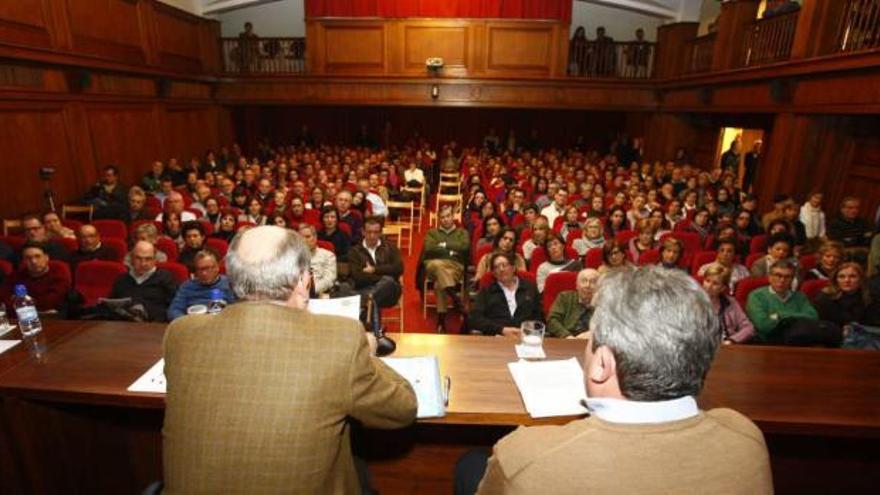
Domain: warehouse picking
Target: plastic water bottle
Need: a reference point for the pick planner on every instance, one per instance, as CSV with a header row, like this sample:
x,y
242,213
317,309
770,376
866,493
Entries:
x,y
217,302
26,311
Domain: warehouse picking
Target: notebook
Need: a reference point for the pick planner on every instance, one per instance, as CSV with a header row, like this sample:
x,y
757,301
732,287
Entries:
x,y
423,373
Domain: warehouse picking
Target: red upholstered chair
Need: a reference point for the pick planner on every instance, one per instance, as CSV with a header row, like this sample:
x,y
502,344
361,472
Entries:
x,y
649,257
111,228
572,235
479,253
6,267
593,258
808,262
692,242
208,226
812,288
94,279
556,283
64,269
71,224
327,245
746,286
153,203
557,223
758,244
624,236
239,225
219,246
13,241
345,228
538,256
70,244
752,258
489,277
168,247
117,246
178,271
701,259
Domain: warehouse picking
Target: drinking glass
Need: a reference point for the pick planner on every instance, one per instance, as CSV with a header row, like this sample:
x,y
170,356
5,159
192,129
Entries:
x,y
532,338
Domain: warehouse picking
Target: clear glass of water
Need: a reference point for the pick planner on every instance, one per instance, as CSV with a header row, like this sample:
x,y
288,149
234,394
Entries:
x,y
532,338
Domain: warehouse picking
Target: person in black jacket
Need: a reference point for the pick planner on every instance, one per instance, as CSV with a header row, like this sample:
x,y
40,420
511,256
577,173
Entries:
x,y
109,196
376,267
847,299
145,284
501,308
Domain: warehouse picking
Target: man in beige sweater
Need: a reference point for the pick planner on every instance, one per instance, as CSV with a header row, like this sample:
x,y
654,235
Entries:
x,y
261,396
654,335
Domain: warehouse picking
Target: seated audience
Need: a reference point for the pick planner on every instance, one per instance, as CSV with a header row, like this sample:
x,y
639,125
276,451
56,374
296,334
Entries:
x,y
492,226
193,242
505,242
225,227
199,289
830,255
332,234
557,261
272,416
557,207
502,307
322,263
654,335
591,237
443,260
735,325
540,230
46,283
90,247
253,212
785,316
848,228
172,228
345,214
796,228
570,222
571,311
779,248
108,196
726,257
174,204
376,268
35,233
137,206
671,252
614,256
847,300
55,229
644,241
146,232
151,287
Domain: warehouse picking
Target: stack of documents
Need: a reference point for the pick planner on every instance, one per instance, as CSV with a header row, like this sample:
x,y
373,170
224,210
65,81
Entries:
x,y
550,388
423,373
349,307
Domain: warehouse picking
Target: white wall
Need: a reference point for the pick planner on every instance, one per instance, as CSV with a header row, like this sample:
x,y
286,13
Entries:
x,y
619,24
285,18
191,6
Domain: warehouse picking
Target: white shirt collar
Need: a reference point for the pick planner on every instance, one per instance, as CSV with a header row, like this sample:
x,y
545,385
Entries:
x,y
634,412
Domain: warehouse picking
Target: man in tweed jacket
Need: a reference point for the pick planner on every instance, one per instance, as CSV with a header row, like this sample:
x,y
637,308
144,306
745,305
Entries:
x,y
260,396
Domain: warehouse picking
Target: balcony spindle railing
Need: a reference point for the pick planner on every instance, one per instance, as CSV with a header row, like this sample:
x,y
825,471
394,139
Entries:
x,y
264,55
701,49
769,40
859,27
626,60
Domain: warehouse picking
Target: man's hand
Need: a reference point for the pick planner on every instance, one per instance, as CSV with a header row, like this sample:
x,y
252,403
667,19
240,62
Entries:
x,y
511,332
369,269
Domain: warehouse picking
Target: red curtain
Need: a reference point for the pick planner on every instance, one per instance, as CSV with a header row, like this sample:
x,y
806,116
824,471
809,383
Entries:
x,y
503,9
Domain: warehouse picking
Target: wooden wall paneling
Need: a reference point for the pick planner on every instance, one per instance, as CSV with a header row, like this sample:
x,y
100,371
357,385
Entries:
x,y
672,55
126,135
732,21
34,136
178,40
117,33
450,40
189,131
26,22
526,48
209,44
355,47
863,177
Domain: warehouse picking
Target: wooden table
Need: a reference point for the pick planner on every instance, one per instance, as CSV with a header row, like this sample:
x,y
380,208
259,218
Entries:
x,y
68,423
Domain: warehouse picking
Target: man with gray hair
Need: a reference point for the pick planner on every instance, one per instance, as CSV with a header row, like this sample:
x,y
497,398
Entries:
x,y
653,336
260,396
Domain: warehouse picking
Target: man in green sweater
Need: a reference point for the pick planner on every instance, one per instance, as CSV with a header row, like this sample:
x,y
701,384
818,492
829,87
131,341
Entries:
x,y
445,255
781,315
570,314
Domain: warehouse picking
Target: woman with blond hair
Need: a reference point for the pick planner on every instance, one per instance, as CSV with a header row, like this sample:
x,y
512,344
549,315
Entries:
x,y
735,325
846,299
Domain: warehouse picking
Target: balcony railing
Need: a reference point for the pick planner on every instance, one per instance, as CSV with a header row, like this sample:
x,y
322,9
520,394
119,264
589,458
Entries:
x,y
859,27
701,49
627,60
264,55
769,40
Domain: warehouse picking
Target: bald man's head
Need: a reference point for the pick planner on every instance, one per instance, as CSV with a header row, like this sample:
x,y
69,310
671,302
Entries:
x,y
143,258
268,263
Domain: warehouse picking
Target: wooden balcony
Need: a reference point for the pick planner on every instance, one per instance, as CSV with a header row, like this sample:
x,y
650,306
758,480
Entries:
x,y
859,26
627,60
769,40
701,50
244,56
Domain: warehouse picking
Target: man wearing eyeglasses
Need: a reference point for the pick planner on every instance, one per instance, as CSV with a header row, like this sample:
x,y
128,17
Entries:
x,y
501,308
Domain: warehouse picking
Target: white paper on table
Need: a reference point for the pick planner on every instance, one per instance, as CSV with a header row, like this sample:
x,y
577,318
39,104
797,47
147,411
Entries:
x,y
6,329
349,307
423,373
151,381
529,352
550,388
5,345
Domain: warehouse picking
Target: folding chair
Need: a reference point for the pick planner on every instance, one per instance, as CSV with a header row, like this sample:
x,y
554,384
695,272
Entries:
x,y
420,193
401,227
12,225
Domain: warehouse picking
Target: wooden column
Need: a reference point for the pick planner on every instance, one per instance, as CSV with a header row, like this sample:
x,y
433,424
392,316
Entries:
x,y
735,16
665,133
817,27
672,59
